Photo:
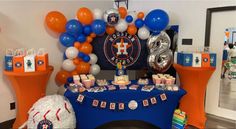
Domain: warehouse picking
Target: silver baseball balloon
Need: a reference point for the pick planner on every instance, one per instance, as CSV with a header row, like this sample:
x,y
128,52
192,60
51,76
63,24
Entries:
x,y
111,16
160,57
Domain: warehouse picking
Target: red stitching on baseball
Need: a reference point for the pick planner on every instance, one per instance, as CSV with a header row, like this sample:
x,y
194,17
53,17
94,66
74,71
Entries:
x,y
44,116
31,110
66,107
58,118
35,115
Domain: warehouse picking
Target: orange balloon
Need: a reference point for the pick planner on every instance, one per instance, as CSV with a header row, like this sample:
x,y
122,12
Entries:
x,y
83,68
140,15
77,45
93,35
76,61
89,39
86,48
61,77
132,30
73,73
56,21
123,12
85,16
110,30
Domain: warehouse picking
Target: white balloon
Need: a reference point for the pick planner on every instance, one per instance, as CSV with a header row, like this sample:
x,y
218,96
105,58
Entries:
x,y
97,13
68,65
133,14
93,58
143,33
71,52
95,69
121,26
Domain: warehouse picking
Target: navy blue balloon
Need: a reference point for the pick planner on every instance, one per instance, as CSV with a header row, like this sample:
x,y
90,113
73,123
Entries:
x,y
86,58
87,30
139,23
98,27
157,20
129,18
81,38
74,27
66,39
81,55
70,80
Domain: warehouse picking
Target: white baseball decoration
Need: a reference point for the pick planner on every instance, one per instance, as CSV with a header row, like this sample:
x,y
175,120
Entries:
x,y
51,112
71,52
143,33
97,13
93,58
68,65
121,26
95,69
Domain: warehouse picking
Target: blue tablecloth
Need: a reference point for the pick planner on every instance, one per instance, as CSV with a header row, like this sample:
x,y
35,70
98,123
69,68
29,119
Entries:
x,y
160,114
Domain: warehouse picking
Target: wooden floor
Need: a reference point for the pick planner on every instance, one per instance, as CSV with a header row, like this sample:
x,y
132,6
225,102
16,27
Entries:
x,y
228,94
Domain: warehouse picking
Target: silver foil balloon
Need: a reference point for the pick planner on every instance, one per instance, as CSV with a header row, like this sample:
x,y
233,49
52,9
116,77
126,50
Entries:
x,y
160,56
111,16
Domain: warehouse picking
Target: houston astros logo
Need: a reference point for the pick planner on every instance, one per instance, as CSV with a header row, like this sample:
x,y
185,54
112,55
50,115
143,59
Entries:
x,y
122,47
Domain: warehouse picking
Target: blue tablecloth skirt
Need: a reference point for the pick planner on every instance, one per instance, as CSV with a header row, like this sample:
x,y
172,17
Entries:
x,y
160,114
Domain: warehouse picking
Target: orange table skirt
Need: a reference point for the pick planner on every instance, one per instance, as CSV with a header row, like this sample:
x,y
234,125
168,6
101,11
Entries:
x,y
28,87
194,81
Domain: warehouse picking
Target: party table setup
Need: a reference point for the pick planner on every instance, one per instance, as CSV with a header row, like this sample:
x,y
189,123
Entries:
x,y
153,101
117,40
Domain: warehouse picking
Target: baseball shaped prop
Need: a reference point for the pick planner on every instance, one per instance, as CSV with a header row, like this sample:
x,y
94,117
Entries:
x,y
51,112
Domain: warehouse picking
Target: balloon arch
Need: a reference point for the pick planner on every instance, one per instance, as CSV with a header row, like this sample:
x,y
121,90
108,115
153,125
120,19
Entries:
x,y
77,34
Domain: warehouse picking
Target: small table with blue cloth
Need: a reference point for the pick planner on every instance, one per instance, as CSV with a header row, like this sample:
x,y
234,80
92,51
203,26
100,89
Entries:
x,y
159,114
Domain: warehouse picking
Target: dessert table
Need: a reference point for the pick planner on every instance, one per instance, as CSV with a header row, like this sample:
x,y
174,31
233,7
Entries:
x,y
159,114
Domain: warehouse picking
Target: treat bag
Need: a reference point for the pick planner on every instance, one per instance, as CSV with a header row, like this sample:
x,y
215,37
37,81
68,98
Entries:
x,y
206,60
213,59
8,60
41,60
197,60
18,60
29,61
187,59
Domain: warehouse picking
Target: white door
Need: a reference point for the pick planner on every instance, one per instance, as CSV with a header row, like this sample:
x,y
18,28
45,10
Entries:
x,y
219,22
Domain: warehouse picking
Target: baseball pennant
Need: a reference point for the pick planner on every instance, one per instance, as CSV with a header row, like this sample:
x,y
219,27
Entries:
x,y
153,100
112,106
163,97
95,103
145,103
80,98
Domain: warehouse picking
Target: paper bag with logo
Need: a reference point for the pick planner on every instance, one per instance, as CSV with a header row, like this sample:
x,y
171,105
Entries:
x,y
29,61
8,59
41,60
18,60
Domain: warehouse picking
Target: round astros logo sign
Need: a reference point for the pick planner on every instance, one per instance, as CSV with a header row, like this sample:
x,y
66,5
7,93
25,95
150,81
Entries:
x,y
122,46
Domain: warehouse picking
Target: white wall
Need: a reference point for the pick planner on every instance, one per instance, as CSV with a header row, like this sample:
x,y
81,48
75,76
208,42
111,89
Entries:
x,y
190,15
22,26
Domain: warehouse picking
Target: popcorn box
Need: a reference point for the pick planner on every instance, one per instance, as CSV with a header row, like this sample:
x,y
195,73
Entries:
x,y
187,59
213,59
41,60
205,60
197,60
